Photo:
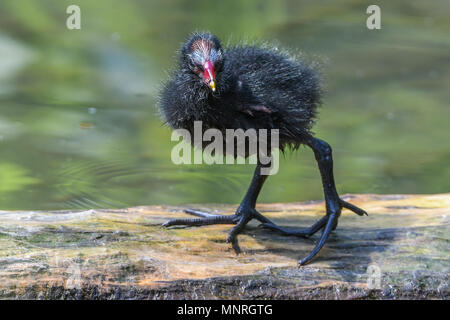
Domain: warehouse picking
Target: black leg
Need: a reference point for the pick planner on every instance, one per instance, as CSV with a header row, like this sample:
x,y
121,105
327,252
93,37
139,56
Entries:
x,y
334,204
245,212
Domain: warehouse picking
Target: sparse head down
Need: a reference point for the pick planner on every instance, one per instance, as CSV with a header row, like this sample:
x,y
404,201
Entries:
x,y
203,55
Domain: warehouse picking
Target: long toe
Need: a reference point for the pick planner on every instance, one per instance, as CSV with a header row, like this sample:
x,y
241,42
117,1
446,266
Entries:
x,y
287,232
214,219
332,220
237,229
201,214
303,233
352,207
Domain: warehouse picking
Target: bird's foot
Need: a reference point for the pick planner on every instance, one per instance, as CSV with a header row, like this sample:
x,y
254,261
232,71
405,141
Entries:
x,y
327,223
308,232
240,219
244,214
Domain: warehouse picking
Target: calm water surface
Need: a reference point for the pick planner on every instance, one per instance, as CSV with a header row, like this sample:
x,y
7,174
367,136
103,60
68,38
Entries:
x,y
79,127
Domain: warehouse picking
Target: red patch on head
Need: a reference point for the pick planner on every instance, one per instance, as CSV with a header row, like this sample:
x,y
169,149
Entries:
x,y
202,48
202,44
209,72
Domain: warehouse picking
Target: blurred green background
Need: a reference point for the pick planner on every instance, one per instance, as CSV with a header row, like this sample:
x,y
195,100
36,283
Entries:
x,y
79,127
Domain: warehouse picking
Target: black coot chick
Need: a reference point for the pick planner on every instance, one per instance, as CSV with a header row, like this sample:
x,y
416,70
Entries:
x,y
251,87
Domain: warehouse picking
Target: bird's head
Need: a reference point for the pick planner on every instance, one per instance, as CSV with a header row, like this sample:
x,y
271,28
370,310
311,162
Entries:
x,y
202,55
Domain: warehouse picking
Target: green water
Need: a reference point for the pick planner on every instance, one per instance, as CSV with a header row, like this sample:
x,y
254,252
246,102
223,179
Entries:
x,y
79,127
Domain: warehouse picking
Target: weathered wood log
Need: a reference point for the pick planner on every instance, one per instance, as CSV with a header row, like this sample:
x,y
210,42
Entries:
x,y
399,251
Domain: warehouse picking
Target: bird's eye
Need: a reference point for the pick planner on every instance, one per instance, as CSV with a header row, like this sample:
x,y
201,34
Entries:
x,y
197,69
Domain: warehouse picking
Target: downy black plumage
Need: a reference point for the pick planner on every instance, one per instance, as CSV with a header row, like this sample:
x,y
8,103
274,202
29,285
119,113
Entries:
x,y
244,87
246,77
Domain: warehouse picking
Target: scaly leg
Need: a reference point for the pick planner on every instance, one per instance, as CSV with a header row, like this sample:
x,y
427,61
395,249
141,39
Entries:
x,y
334,204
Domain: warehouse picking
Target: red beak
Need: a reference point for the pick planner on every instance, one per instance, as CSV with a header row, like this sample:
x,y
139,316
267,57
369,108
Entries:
x,y
209,76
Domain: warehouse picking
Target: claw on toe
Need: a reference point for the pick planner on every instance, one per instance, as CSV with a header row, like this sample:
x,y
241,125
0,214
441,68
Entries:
x,y
301,263
166,224
234,244
352,207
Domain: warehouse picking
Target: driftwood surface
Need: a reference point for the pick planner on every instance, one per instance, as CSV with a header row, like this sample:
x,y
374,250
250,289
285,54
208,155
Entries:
x,y
399,251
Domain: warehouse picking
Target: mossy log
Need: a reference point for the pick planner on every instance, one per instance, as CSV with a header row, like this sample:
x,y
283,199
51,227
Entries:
x,y
400,250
